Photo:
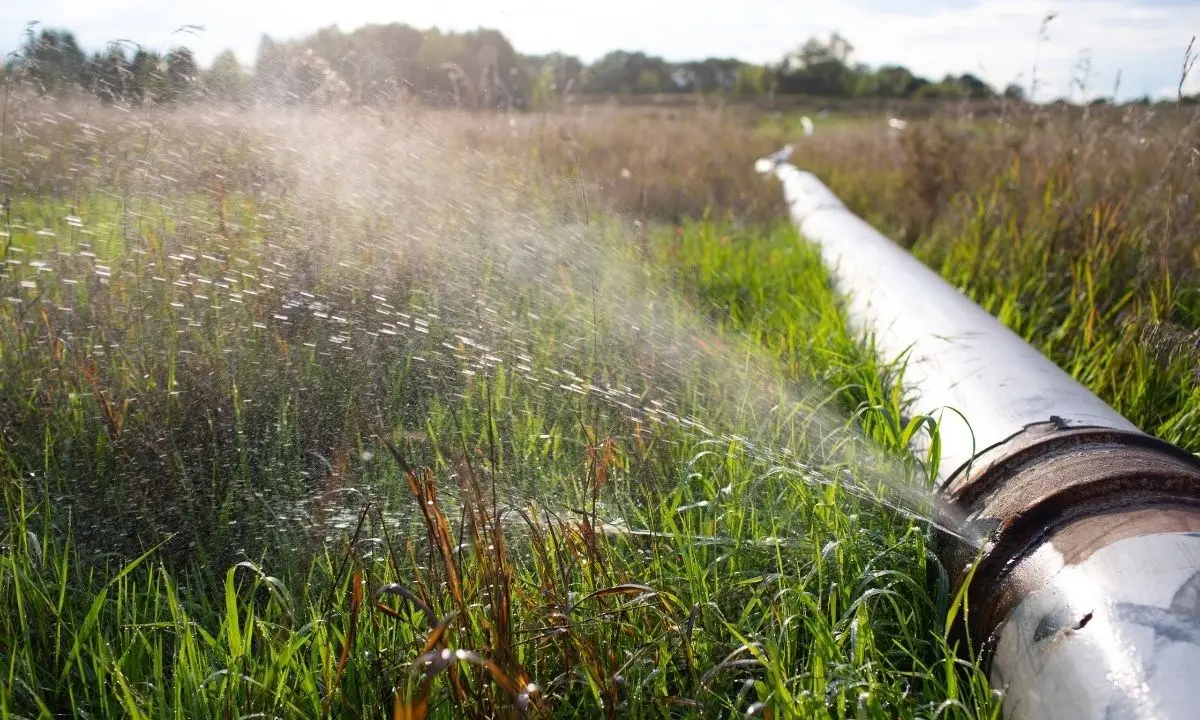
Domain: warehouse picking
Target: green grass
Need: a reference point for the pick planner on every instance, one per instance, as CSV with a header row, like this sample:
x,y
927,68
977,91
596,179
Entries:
x,y
748,586
1102,298
304,428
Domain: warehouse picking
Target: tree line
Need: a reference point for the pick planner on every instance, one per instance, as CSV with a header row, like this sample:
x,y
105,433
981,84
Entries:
x,y
385,63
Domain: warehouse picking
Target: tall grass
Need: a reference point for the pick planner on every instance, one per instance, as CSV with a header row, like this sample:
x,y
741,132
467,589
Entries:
x,y
1076,227
384,428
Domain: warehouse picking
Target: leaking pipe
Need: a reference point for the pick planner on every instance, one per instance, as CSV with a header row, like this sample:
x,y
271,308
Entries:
x,y
1084,594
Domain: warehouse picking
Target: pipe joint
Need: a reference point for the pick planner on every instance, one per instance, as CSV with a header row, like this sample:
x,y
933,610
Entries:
x,y
1093,540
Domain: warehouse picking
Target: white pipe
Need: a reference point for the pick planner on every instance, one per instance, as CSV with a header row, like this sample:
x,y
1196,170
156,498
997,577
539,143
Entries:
x,y
1114,636
1091,584
960,359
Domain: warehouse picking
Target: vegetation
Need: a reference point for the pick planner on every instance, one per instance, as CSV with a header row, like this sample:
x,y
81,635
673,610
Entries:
x,y
1077,229
383,64
520,414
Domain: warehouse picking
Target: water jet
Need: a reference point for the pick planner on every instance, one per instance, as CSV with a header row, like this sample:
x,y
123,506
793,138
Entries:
x,y
1084,592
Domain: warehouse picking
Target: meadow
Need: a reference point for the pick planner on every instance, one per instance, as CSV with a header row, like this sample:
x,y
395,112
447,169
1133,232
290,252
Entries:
x,y
406,412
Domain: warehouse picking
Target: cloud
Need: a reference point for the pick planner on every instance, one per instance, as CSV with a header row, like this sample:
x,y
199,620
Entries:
x,y
1191,85
1007,41
999,40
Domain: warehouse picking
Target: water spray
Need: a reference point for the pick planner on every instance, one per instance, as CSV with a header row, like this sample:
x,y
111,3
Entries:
x,y
1082,561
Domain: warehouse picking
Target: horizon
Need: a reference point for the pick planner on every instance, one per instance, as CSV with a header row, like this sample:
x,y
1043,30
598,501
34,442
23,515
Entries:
x,y
1078,55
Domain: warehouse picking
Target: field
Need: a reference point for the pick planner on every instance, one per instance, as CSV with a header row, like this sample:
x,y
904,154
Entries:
x,y
362,413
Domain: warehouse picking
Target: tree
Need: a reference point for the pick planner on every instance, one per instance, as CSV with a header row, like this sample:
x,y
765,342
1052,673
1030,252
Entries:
x,y
377,64
381,63
442,78
551,77
543,91
896,81
1014,92
945,89
54,62
866,83
565,71
148,77
711,75
111,75
751,81
625,72
226,81
491,63
819,68
183,75
974,88
270,71
648,81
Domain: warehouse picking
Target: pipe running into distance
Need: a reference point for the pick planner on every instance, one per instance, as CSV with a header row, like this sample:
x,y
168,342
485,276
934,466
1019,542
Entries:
x,y
1084,600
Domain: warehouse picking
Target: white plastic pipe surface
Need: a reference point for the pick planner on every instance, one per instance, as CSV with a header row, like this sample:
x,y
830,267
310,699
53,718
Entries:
x,y
959,358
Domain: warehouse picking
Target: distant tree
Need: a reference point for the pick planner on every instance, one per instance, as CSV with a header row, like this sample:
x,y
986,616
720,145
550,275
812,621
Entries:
x,y
551,77
543,93
918,86
611,73
819,68
896,81
751,81
649,81
442,78
1014,92
975,89
566,71
148,76
491,62
331,45
111,74
270,71
948,88
54,62
381,63
625,72
864,82
709,75
226,80
183,75
479,69
568,74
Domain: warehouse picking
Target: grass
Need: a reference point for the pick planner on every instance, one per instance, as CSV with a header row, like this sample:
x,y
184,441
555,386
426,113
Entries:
x,y
301,415
1076,228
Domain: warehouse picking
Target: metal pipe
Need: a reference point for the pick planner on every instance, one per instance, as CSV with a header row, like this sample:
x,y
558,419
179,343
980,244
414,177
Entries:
x,y
1084,601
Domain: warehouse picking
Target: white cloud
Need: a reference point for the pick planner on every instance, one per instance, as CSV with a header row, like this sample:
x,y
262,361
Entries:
x,y
1001,41
1191,85
996,39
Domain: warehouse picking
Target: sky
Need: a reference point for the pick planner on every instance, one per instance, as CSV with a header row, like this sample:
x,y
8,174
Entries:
x,y
1079,54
